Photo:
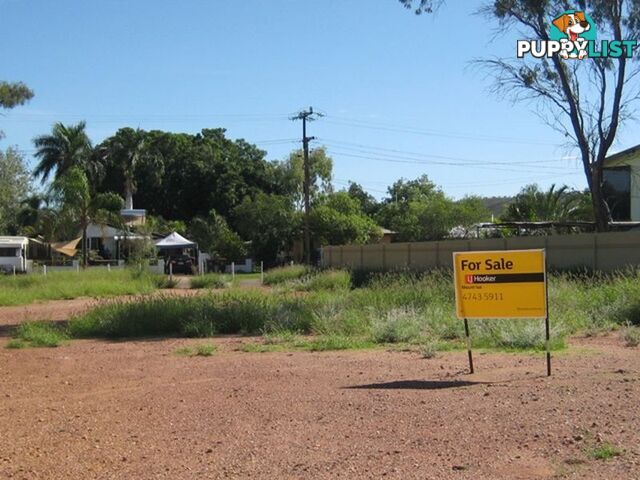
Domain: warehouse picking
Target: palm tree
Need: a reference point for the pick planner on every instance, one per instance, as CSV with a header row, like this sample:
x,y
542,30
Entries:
x,y
67,146
556,204
127,149
73,193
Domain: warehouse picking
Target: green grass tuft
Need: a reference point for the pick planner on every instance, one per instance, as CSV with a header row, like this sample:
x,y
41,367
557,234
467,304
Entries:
x,y
16,344
26,289
605,451
280,275
205,350
210,280
39,334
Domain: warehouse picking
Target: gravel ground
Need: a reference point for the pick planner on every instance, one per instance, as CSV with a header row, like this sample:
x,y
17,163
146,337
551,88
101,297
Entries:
x,y
136,410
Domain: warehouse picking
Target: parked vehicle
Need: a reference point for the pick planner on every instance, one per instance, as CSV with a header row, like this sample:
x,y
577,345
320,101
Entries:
x,y
180,264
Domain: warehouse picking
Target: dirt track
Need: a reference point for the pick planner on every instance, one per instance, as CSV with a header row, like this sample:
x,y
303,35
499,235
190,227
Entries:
x,y
135,410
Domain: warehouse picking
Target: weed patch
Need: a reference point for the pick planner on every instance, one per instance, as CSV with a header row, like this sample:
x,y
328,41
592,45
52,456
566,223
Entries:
x,y
38,334
604,451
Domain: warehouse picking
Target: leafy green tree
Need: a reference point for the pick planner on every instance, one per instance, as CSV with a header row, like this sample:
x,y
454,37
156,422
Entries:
x,y
213,235
368,203
73,193
125,152
64,148
418,211
556,204
270,222
586,101
180,176
291,175
15,187
14,94
338,219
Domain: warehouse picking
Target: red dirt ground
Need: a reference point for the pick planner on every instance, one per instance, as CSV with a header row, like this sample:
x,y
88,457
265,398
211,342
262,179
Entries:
x,y
136,410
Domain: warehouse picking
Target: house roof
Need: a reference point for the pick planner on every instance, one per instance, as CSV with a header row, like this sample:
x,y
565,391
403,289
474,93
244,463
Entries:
x,y
13,242
622,154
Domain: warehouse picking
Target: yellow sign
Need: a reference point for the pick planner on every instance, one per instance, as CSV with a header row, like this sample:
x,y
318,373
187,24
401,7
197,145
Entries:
x,y
500,284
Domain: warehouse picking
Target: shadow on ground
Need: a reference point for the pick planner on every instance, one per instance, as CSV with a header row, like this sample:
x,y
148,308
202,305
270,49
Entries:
x,y
417,385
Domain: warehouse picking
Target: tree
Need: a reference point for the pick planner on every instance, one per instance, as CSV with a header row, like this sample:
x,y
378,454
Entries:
x,y
213,235
368,203
12,95
557,204
338,219
291,173
74,195
15,187
126,150
418,211
270,222
421,6
586,100
64,148
180,176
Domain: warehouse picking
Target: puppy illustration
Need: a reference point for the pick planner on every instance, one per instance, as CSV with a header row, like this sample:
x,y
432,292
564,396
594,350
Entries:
x,y
573,25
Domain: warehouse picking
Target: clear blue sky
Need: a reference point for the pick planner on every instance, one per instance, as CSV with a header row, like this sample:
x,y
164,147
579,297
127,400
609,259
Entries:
x,y
398,91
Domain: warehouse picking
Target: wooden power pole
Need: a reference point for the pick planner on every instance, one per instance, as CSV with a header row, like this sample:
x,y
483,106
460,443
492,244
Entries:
x,y
306,115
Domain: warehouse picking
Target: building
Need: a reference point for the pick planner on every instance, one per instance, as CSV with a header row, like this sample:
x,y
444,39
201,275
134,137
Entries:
x,y
622,184
13,254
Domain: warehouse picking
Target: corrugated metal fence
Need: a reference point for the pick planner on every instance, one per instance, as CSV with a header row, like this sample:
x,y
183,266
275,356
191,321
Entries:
x,y
598,251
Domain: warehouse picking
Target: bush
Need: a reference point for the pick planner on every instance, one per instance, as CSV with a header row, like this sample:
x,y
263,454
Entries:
x,y
210,280
38,334
280,275
631,336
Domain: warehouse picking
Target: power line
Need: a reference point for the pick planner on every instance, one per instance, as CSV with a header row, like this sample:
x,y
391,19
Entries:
x,y
416,131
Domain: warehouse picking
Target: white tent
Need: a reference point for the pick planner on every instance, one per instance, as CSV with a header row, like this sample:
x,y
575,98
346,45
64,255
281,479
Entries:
x,y
175,240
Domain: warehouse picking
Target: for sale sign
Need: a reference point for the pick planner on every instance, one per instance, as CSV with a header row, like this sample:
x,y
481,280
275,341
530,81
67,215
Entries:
x,y
500,284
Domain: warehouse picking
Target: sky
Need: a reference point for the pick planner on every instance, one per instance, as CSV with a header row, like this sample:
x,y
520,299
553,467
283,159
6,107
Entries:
x,y
399,93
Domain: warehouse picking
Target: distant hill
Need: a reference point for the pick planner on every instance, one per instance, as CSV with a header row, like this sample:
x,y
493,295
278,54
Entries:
x,y
496,205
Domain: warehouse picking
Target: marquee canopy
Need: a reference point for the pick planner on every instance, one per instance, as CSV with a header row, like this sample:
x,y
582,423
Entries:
x,y
175,240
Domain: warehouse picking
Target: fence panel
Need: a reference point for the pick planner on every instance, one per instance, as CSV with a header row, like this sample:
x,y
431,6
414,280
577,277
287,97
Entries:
x,y
600,251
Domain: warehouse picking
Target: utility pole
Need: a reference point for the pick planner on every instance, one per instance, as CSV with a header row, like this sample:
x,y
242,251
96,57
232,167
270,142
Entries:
x,y
306,115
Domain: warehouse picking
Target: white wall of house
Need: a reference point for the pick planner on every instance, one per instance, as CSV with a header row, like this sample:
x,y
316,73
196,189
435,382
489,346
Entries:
x,y
632,160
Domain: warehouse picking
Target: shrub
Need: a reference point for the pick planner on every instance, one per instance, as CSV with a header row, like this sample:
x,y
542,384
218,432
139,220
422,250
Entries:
x,y
38,334
210,280
280,275
631,336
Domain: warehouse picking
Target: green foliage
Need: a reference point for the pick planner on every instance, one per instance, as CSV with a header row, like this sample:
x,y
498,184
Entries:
x,y
556,204
419,211
77,201
397,308
15,187
64,148
269,222
181,176
368,203
280,275
39,334
205,350
605,451
210,280
337,219
14,94
26,289
290,175
213,235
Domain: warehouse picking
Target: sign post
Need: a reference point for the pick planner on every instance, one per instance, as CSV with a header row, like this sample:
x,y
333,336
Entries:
x,y
501,284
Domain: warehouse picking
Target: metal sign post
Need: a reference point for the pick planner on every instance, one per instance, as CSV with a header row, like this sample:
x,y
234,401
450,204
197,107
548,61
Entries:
x,y
466,332
501,284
